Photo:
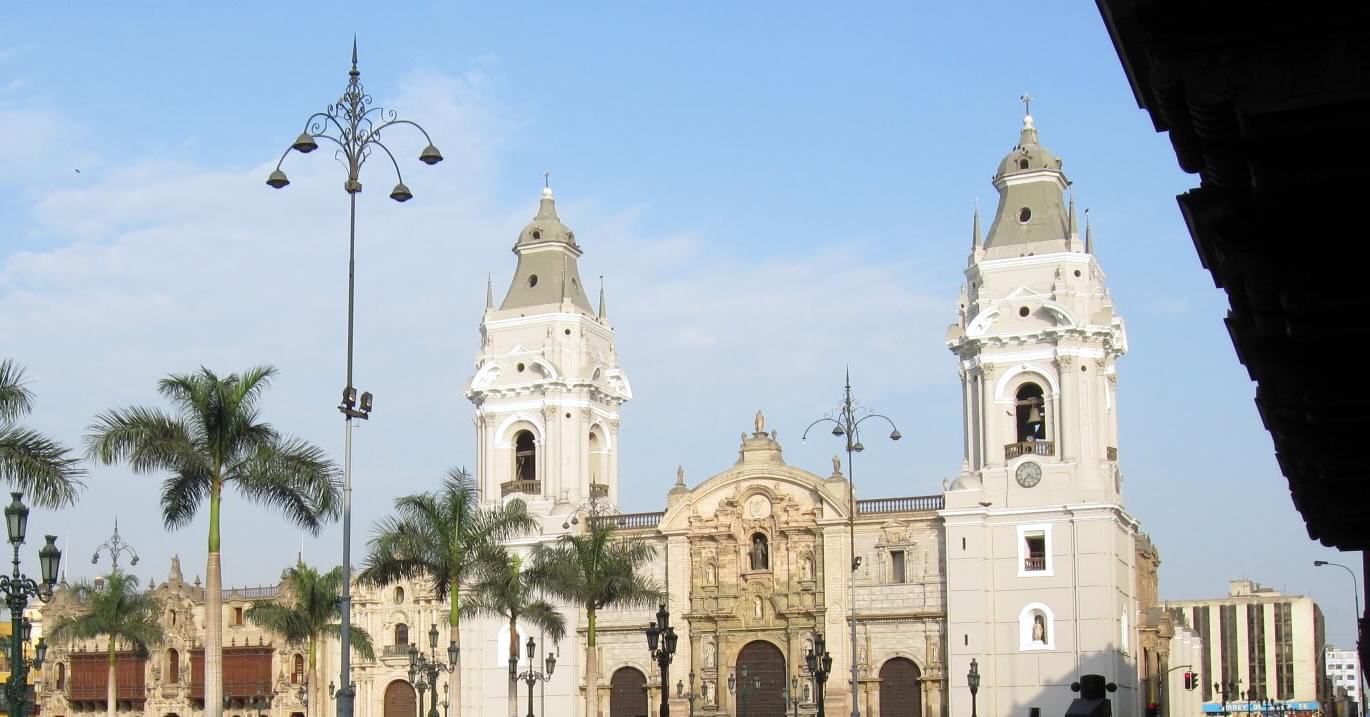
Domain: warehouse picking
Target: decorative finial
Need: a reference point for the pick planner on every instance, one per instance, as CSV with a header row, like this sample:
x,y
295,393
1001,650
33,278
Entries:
x,y
603,307
1074,231
489,291
680,475
1027,105
354,72
1089,234
975,227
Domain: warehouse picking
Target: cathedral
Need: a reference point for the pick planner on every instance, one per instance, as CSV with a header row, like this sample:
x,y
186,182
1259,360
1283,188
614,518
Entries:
x,y
1026,569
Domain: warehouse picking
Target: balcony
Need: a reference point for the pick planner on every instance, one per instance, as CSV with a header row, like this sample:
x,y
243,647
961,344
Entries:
x,y
523,487
1034,563
1029,448
598,490
631,521
395,651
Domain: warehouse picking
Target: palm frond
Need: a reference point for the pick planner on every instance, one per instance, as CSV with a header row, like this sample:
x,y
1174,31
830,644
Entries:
x,y
362,643
294,476
40,467
16,399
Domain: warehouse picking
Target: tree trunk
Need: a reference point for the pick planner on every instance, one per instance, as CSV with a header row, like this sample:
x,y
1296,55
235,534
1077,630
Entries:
x,y
312,680
454,623
591,667
513,675
214,630
111,690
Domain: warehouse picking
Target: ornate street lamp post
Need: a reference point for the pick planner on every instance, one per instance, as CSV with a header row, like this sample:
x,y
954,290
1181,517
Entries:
x,y
444,699
661,641
355,126
743,690
973,679
847,425
115,546
819,662
531,676
18,588
424,669
691,695
791,695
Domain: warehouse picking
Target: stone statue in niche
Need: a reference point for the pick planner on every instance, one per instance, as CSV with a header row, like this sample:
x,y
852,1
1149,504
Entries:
x,y
806,568
710,697
758,611
709,655
710,574
1039,629
760,553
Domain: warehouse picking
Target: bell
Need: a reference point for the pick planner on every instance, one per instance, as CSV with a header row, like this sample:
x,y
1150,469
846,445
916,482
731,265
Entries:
x,y
1034,415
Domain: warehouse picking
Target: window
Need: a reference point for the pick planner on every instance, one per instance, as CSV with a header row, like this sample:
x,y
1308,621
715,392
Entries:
x,y
1034,550
525,457
1284,651
173,666
1255,648
1030,413
297,670
1024,215
61,676
897,566
760,553
399,595
1022,164
237,617
401,634
1203,626
1227,640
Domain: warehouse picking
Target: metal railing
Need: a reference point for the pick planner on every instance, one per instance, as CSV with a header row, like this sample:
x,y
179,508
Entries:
x,y
395,651
1035,563
632,521
1029,448
525,487
908,504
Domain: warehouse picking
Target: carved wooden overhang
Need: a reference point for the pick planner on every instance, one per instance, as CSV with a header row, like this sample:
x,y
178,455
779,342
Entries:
x,y
1268,101
88,679
247,672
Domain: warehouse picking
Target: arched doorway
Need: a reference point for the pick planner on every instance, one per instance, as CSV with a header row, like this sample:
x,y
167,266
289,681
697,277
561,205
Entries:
x,y
760,660
400,700
627,696
901,693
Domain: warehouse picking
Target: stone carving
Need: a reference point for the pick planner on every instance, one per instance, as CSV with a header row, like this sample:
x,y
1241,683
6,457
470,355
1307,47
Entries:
x,y
758,507
710,574
758,611
836,464
760,553
806,568
680,475
760,422
1039,629
709,655
710,695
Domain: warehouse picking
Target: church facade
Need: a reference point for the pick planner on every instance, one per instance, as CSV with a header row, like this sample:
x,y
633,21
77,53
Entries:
x,y
1027,564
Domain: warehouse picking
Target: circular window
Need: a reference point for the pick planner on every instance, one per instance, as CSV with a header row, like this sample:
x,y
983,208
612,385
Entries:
x,y
568,332
532,280
1023,311
1077,273
520,368
537,234
1024,215
1082,369
568,415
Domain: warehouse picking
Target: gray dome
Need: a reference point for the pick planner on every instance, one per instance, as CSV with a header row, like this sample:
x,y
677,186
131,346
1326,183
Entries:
x,y
546,226
1028,156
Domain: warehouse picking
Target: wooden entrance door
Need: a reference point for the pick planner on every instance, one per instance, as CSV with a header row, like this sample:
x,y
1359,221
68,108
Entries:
x,y
627,693
901,693
760,659
400,700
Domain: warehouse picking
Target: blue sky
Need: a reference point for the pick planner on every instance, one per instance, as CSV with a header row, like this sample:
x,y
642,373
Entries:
x,y
772,191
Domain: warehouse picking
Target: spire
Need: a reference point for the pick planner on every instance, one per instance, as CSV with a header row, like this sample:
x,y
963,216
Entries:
x,y
1029,134
489,291
603,307
547,207
1089,235
1074,231
975,229
354,71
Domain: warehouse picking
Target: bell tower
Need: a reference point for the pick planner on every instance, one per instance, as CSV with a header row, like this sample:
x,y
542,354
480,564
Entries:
x,y
1040,551
548,385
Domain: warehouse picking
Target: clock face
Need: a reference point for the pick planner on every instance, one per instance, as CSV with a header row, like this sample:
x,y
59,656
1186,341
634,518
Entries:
x,y
1029,474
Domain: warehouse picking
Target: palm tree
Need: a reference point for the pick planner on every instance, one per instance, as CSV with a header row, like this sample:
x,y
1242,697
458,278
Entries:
x,y
310,613
214,440
596,570
29,461
505,589
442,537
116,609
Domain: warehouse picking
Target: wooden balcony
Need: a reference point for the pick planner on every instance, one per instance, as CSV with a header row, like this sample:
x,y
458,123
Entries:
x,y
520,487
598,490
1029,448
1035,563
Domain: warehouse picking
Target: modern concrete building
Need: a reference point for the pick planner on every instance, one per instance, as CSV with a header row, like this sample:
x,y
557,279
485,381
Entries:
x,y
1257,644
1343,673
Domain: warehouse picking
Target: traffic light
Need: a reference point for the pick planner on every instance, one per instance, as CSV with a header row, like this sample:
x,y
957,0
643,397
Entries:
x,y
1191,680
1153,710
